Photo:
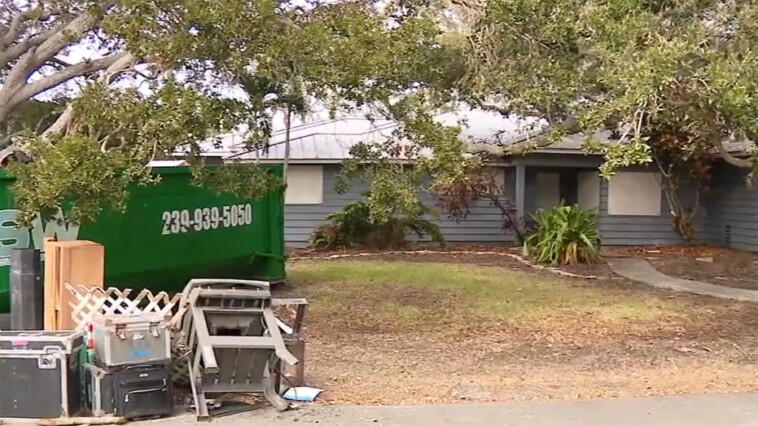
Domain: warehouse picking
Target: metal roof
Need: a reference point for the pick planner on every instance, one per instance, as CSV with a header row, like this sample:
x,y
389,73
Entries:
x,y
330,140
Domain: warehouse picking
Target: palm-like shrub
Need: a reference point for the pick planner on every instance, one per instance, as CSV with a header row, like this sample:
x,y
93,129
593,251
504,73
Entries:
x,y
564,235
351,227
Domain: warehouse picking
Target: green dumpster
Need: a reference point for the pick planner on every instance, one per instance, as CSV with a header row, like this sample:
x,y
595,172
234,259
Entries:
x,y
171,232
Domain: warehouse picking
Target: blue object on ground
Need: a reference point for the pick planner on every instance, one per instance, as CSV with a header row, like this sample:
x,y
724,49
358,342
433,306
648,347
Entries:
x,y
303,394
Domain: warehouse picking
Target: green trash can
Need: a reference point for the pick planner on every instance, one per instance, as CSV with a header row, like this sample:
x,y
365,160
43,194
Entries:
x,y
171,232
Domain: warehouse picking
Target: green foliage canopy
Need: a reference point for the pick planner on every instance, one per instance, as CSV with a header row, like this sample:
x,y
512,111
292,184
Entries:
x,y
639,68
183,52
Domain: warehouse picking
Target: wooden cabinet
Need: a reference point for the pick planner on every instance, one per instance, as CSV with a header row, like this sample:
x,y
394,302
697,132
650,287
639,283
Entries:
x,y
74,262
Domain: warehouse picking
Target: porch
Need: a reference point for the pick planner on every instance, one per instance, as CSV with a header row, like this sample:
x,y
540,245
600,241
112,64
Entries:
x,y
631,207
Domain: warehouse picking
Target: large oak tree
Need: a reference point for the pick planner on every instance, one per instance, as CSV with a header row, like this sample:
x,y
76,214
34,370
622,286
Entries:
x,y
638,67
153,83
672,83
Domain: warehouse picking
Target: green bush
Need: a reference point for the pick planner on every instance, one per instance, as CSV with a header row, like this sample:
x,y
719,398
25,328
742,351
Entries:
x,y
564,235
347,228
352,227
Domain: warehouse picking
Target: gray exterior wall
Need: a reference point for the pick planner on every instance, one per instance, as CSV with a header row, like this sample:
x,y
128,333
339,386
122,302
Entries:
x,y
618,229
301,219
733,210
645,230
728,214
482,225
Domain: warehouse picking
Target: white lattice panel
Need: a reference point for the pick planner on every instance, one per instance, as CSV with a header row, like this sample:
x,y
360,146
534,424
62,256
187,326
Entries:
x,y
88,301
179,366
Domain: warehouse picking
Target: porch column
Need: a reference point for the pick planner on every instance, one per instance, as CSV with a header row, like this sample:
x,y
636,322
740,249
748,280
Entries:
x,y
520,200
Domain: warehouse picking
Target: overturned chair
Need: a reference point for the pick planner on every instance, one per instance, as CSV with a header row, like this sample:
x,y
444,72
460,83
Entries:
x,y
233,339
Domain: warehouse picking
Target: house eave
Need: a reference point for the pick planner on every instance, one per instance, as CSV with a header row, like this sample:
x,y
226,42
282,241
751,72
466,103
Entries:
x,y
502,163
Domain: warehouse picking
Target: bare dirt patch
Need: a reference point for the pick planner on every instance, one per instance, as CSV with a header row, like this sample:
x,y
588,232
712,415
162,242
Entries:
x,y
718,266
400,332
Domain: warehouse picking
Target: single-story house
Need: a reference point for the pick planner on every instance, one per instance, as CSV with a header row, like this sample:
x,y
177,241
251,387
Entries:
x,y
632,209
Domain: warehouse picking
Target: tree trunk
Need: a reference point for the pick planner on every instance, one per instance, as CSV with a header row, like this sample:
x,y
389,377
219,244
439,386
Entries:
x,y
287,127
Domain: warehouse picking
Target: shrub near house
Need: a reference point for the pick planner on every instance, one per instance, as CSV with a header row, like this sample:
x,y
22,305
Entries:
x,y
564,235
352,227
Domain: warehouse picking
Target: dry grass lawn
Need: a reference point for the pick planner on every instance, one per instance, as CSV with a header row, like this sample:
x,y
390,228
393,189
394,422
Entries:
x,y
396,332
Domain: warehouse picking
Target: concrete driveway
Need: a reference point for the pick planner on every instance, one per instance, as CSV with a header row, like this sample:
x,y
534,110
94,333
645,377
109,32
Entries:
x,y
710,410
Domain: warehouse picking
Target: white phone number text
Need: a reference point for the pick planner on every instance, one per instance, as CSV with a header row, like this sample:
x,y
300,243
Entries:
x,y
183,221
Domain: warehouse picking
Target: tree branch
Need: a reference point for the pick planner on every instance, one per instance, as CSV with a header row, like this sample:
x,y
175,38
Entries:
x,y
52,42
7,140
515,145
17,50
14,29
10,52
120,64
472,5
729,158
76,70
61,38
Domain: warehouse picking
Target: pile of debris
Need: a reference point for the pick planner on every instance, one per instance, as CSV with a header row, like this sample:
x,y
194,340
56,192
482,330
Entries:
x,y
116,355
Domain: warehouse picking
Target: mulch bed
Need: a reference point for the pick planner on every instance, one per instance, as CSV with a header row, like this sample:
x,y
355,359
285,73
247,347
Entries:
x,y
720,266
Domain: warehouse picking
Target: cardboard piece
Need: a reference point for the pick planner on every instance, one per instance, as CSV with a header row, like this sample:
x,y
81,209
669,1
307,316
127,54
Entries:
x,y
78,262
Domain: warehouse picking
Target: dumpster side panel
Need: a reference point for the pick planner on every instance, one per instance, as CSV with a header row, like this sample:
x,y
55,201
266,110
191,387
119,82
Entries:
x,y
170,233
10,238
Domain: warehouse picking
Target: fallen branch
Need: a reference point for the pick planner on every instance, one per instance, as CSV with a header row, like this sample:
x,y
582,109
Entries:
x,y
476,253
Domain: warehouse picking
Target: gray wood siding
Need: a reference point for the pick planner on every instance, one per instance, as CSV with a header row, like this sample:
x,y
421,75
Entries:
x,y
482,225
484,222
732,203
301,219
615,229
642,230
728,216
733,210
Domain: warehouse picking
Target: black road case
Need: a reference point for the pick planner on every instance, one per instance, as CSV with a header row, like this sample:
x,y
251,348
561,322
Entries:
x,y
143,390
99,389
135,391
39,373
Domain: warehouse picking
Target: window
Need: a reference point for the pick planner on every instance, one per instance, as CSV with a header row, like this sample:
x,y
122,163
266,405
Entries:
x,y
305,185
634,194
498,175
548,190
588,196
